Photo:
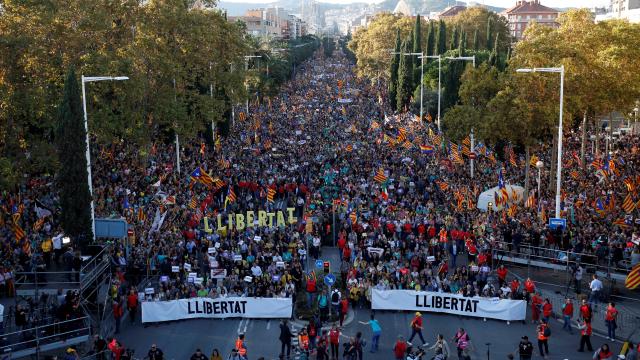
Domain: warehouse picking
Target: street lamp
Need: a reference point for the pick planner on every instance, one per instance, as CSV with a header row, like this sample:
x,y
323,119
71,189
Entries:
x,y
559,171
539,166
86,79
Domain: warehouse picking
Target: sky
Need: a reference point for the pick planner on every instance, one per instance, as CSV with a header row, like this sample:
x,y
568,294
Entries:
x,y
499,3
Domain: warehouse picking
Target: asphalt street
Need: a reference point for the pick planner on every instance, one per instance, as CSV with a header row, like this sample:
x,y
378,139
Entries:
x,y
179,339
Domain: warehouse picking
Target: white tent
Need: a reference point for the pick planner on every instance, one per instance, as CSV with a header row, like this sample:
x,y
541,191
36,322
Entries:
x,y
516,195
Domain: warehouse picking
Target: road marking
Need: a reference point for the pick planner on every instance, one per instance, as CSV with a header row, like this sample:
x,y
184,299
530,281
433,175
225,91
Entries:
x,y
246,324
268,324
240,325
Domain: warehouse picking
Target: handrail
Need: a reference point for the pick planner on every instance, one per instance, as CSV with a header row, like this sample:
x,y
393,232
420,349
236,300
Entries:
x,y
97,258
568,258
44,326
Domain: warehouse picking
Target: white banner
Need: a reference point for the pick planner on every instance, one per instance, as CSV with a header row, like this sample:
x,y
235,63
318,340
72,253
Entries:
x,y
158,311
491,308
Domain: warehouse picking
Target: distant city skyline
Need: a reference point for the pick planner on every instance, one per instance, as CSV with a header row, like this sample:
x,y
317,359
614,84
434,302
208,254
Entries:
x,y
498,3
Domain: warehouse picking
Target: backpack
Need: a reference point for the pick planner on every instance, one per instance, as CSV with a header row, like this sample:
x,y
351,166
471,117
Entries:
x,y
335,298
547,331
526,348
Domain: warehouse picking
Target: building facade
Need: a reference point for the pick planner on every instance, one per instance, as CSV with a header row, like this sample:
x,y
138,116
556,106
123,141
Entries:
x,y
527,11
273,22
622,9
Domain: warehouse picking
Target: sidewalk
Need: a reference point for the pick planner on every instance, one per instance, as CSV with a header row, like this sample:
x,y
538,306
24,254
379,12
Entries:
x,y
553,285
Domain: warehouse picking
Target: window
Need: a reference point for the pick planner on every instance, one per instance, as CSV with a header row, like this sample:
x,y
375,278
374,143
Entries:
x,y
539,17
519,17
528,17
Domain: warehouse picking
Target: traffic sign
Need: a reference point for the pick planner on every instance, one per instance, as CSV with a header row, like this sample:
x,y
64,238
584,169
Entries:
x,y
329,280
555,223
472,155
319,264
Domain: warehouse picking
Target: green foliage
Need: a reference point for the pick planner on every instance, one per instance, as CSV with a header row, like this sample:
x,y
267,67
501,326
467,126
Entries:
x,y
405,83
454,38
393,82
75,199
431,39
441,42
328,46
152,42
417,48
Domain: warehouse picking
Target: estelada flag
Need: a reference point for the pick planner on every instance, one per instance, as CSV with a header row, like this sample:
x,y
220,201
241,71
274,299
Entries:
x,y
633,279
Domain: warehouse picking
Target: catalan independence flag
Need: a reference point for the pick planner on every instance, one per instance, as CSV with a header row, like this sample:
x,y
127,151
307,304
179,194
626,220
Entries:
x,y
633,279
17,231
231,195
628,205
426,149
380,176
193,203
201,176
443,185
271,193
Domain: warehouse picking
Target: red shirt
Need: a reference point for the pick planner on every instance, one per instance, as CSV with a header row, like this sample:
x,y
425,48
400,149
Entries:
x,y
546,309
587,330
341,243
344,305
132,300
529,286
399,349
585,311
417,323
611,313
502,273
334,336
568,309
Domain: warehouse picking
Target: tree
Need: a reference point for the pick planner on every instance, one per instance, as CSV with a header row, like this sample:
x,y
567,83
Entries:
x,y
393,81
489,33
75,199
454,38
476,44
487,23
441,43
417,48
431,39
463,43
371,45
405,84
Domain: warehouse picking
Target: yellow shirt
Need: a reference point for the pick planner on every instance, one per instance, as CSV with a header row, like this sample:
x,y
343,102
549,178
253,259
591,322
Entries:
x,y
47,244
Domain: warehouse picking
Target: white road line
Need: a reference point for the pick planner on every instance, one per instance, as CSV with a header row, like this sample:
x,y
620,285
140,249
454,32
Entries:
x,y
268,324
246,325
240,325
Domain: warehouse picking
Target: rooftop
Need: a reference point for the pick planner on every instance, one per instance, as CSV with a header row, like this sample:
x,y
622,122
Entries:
x,y
532,6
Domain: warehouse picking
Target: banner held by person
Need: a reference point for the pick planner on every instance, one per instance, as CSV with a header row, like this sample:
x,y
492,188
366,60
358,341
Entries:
x,y
195,308
490,308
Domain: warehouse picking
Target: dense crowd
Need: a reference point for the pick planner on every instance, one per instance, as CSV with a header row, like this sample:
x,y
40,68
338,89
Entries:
x,y
325,151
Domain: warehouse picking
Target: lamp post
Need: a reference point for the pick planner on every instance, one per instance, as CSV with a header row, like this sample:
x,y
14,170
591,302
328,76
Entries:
x,y
559,165
86,79
539,166
439,83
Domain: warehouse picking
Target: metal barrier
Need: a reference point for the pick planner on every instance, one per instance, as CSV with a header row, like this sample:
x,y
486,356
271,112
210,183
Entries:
x,y
45,338
557,259
627,320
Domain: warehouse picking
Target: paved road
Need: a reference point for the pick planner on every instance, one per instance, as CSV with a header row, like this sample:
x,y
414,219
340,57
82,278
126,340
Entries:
x,y
179,339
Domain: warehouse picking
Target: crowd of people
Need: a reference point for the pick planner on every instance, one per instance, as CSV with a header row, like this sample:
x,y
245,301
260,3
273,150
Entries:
x,y
388,190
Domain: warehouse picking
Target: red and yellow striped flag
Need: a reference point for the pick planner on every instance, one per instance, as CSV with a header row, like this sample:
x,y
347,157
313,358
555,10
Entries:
x,y
628,205
633,279
270,194
380,176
